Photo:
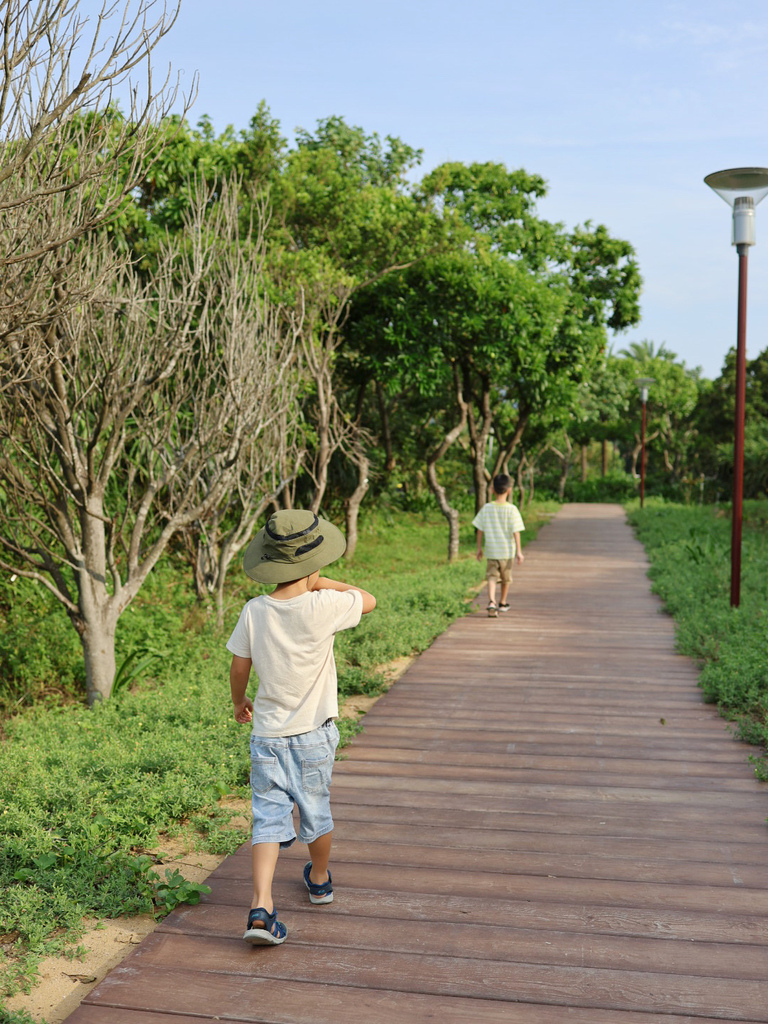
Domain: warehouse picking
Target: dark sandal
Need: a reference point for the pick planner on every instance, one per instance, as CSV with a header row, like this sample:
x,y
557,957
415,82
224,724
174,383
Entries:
x,y
264,929
318,893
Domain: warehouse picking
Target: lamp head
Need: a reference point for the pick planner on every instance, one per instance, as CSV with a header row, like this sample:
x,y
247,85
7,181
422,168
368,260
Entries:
x,y
742,188
644,383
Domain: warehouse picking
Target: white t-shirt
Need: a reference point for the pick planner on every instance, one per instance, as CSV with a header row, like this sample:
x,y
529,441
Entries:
x,y
291,646
499,523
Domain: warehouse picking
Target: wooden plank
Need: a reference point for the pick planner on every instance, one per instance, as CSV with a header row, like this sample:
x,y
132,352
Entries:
x,y
437,768
262,1000
555,864
508,756
396,791
675,848
698,926
605,821
538,744
735,898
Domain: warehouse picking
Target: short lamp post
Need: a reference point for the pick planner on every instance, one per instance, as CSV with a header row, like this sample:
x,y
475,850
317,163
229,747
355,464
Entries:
x,y
643,383
742,188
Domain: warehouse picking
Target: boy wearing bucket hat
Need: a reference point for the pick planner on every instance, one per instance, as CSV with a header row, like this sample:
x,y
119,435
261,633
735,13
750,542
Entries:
x,y
287,636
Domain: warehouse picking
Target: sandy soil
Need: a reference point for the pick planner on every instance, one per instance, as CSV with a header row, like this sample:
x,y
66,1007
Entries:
x,y
64,983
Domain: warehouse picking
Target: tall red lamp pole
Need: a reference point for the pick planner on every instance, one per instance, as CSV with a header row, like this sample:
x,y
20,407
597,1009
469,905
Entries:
x,y
742,188
643,383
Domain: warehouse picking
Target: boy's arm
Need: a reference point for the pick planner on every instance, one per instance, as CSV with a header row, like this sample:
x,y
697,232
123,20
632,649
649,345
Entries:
x,y
519,556
323,583
239,672
479,545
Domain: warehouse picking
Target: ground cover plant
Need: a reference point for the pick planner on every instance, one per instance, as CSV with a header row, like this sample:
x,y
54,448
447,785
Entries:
x,y
89,796
689,549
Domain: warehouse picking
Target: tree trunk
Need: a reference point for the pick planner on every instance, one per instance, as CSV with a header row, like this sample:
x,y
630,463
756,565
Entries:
x,y
507,451
562,481
478,436
221,576
386,430
231,547
323,455
564,459
520,479
353,503
450,513
604,463
635,456
584,453
98,640
96,617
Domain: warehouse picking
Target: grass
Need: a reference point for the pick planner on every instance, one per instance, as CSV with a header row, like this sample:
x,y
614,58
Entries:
x,y
689,550
87,795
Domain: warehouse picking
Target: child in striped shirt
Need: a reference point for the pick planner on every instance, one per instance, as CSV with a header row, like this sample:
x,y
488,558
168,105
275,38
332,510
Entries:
x,y
500,523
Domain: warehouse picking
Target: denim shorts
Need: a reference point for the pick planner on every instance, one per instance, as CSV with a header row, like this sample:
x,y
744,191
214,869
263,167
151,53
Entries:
x,y
288,770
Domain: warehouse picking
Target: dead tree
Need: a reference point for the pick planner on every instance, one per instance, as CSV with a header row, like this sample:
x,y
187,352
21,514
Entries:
x,y
262,346
356,444
325,305
127,421
61,130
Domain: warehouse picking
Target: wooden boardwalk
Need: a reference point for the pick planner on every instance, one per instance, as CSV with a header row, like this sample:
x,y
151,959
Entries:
x,y
540,823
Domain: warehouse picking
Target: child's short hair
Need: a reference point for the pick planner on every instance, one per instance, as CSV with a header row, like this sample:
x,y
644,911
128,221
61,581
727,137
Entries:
x,y
501,483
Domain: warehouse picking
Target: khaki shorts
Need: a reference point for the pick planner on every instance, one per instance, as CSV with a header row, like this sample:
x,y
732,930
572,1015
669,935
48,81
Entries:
x,y
499,570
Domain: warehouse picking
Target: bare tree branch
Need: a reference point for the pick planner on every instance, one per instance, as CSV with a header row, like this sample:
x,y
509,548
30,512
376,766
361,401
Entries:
x,y
136,413
60,130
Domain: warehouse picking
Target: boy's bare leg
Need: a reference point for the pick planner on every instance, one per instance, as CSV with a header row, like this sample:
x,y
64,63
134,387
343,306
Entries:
x,y
264,859
491,591
320,854
504,592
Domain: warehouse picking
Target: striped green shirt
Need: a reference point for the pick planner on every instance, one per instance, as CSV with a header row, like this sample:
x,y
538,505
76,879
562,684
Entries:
x,y
499,524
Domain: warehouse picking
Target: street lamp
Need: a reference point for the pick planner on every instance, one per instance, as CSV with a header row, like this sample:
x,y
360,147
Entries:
x,y
742,188
643,383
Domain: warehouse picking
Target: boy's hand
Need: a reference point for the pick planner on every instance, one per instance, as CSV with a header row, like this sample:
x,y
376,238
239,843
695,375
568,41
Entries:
x,y
244,711
325,583
479,556
519,557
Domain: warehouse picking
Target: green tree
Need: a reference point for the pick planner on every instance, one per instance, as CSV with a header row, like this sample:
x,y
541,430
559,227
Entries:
x,y
349,218
671,433
505,321
715,426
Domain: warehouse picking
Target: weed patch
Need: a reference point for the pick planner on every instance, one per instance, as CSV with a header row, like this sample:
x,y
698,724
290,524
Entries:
x,y
689,549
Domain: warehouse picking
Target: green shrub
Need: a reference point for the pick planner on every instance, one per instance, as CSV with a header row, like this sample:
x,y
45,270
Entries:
x,y
613,487
689,549
38,665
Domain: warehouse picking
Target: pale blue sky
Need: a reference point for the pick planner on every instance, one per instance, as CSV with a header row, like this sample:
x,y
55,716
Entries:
x,y
622,108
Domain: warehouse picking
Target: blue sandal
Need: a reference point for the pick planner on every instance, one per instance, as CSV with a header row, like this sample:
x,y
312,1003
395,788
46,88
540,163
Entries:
x,y
264,929
318,893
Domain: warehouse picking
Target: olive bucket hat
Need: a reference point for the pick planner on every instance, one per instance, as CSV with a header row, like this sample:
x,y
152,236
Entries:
x,y
293,544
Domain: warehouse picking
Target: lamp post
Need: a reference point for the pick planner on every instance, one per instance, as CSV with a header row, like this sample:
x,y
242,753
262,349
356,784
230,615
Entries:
x,y
643,383
742,188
